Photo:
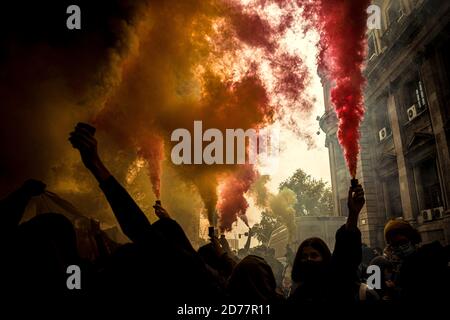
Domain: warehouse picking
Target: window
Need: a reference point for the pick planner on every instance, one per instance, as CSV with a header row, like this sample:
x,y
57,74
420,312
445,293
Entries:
x,y
381,118
393,201
429,189
393,12
420,95
415,94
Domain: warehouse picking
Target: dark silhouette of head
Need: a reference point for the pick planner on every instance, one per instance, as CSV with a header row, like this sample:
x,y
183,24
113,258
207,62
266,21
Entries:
x,y
311,260
209,256
47,246
253,281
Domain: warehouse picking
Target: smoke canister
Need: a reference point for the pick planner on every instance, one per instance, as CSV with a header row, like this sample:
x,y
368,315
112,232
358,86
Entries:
x,y
211,232
354,183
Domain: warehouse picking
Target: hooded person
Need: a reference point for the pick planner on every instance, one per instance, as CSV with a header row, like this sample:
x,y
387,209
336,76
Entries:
x,y
277,266
310,271
160,260
47,246
37,253
423,269
252,281
401,238
324,277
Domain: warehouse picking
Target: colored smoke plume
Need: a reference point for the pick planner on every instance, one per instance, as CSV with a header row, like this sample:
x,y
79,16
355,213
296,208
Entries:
x,y
140,70
280,205
232,203
342,25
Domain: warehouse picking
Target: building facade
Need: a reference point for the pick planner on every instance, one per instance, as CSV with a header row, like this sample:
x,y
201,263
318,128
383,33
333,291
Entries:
x,y
404,163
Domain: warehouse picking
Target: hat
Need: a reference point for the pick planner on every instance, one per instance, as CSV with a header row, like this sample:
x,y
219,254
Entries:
x,y
394,227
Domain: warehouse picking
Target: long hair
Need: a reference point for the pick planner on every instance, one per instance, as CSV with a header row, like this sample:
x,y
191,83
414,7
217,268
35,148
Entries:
x,y
315,243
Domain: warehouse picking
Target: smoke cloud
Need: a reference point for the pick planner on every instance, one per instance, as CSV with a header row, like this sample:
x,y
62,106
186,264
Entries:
x,y
342,45
280,205
138,70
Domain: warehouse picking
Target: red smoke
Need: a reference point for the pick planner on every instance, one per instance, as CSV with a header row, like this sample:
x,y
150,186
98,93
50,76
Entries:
x,y
342,51
151,150
232,203
342,25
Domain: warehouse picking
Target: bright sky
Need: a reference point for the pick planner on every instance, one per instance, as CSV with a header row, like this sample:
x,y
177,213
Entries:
x,y
294,153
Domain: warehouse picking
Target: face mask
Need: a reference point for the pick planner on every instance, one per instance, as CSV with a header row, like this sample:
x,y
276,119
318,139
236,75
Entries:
x,y
388,277
311,270
404,250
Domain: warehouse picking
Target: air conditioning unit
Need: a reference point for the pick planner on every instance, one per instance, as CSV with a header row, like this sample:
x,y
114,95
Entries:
x,y
382,134
412,112
427,215
438,213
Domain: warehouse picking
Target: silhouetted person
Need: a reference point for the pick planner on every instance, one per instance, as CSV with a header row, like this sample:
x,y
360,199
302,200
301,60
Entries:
x,y
47,245
242,253
388,291
13,206
277,266
252,281
321,277
423,270
159,262
311,272
38,252
218,261
367,256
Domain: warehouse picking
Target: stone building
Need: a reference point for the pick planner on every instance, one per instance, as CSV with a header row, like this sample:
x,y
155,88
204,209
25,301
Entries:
x,y
404,164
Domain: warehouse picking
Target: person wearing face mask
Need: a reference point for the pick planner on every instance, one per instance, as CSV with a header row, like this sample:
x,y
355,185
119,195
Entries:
x,y
320,276
310,272
423,271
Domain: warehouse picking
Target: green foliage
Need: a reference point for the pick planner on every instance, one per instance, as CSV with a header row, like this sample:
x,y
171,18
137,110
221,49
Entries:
x,y
314,197
265,227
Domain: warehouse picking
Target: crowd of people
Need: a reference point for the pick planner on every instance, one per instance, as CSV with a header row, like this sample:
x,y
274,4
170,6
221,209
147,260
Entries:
x,y
161,264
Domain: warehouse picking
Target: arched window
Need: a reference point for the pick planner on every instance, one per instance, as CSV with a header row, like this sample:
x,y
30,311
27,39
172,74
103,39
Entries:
x,y
393,12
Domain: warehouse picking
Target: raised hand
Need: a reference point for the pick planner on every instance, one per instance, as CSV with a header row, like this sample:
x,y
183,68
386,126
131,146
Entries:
x,y
355,202
82,138
217,246
356,199
160,211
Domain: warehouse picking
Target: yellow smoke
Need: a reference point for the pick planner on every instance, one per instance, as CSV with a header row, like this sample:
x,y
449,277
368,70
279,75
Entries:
x,y
176,77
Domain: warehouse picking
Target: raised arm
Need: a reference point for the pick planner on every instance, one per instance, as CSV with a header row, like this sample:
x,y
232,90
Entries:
x,y
249,239
347,250
132,220
355,203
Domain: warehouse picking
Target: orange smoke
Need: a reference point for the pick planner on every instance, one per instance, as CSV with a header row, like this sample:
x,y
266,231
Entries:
x,y
193,63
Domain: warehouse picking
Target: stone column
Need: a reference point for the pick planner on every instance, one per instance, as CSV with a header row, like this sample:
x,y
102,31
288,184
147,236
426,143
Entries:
x,y
334,183
435,107
405,175
387,204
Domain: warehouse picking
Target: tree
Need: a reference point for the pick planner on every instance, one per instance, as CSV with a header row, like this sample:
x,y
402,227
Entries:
x,y
314,197
263,230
